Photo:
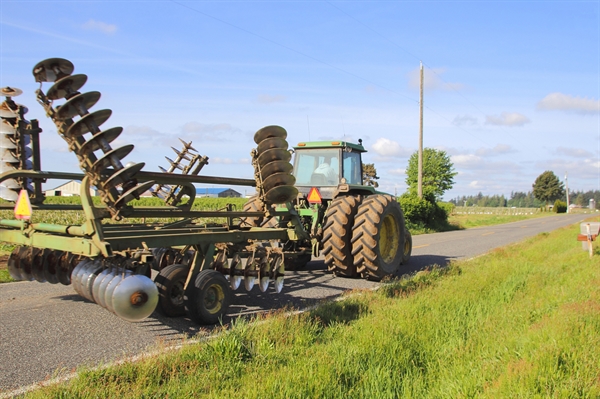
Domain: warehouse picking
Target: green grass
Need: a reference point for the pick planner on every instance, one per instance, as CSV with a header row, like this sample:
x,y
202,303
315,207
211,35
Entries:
x,y
521,321
470,221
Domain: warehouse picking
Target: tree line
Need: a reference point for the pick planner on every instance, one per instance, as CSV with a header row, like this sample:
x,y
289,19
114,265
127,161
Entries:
x,y
520,199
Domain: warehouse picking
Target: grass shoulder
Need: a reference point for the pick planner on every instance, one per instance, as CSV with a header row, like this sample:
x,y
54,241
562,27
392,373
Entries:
x,y
511,323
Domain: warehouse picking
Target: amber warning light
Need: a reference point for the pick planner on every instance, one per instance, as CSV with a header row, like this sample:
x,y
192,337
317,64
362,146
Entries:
x,y
314,196
23,206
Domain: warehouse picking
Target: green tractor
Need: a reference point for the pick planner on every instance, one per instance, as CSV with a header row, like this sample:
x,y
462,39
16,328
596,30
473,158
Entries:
x,y
358,230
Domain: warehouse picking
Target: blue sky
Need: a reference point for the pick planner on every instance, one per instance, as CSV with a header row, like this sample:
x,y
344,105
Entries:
x,y
511,87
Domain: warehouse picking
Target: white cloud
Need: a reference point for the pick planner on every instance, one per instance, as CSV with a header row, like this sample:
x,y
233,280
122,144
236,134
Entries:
x,y
499,149
509,119
100,26
465,160
475,184
574,152
431,80
389,148
397,172
269,99
465,120
566,102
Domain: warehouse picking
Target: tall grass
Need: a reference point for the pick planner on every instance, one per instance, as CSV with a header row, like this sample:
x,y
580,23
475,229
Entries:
x,y
521,321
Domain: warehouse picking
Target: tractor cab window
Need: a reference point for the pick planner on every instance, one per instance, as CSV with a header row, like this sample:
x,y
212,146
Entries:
x,y
318,167
352,168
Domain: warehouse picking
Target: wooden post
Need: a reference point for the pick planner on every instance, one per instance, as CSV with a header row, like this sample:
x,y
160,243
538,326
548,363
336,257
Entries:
x,y
420,167
589,240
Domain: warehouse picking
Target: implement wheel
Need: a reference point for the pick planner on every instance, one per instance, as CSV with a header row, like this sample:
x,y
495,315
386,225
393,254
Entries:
x,y
378,237
170,282
209,298
407,247
337,235
254,204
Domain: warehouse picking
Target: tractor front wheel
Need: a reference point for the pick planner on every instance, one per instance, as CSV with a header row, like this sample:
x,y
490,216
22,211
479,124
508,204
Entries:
x,y
378,237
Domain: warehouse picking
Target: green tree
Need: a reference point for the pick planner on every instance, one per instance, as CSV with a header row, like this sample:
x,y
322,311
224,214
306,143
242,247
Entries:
x,y
370,174
547,187
438,173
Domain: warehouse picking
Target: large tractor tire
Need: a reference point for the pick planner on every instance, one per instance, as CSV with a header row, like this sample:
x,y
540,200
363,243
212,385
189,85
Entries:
x,y
378,237
337,235
407,247
170,282
254,204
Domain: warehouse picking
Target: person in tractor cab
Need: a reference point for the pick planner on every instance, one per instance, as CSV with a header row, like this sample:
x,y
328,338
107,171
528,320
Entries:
x,y
330,177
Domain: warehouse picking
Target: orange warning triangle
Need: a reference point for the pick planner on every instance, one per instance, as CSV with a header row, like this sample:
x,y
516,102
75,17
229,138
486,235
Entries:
x,y
314,196
23,206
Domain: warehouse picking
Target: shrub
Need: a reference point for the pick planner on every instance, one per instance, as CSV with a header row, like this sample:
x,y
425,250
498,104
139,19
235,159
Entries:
x,y
560,206
416,210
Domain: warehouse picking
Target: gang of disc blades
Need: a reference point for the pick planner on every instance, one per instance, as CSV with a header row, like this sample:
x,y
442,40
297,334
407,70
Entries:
x,y
122,175
81,126
93,144
135,298
65,86
44,71
274,154
280,195
273,142
278,179
275,167
74,106
10,91
6,112
268,132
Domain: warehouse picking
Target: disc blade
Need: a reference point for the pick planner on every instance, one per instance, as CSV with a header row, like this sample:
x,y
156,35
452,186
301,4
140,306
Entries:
x,y
274,154
273,142
49,269
10,183
13,264
6,141
263,283
37,265
7,112
97,283
135,192
8,194
110,289
135,298
88,281
102,288
46,71
278,179
249,282
235,281
7,128
281,194
25,264
10,91
275,167
278,284
268,132
107,159
66,86
78,105
93,144
123,175
8,156
89,123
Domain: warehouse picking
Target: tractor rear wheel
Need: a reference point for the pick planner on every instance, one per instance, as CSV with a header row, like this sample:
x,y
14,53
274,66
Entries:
x,y
170,282
337,235
254,204
378,237
208,298
407,247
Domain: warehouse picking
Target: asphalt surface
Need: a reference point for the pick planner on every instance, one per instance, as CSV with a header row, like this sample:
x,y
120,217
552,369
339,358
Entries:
x,y
48,330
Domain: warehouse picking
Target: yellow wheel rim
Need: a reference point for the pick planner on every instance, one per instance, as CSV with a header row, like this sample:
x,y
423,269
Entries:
x,y
389,239
406,245
213,298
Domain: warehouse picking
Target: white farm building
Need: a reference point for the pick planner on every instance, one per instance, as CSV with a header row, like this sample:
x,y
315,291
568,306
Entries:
x,y
68,189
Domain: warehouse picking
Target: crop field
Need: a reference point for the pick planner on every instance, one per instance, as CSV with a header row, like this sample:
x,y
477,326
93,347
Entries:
x,y
521,321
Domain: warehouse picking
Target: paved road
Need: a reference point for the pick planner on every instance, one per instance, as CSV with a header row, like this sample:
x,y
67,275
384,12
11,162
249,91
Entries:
x,y
48,330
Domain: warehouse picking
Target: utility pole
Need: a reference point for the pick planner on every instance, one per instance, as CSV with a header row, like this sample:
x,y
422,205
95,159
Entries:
x,y
567,185
420,167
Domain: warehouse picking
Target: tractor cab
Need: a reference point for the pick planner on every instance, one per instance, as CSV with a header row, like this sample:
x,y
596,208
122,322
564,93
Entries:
x,y
326,164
